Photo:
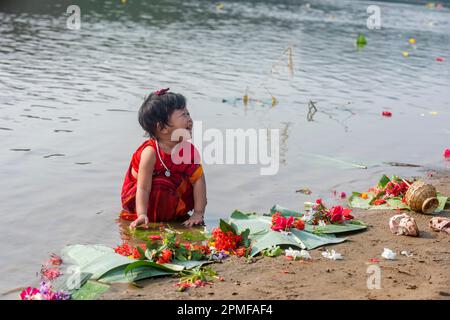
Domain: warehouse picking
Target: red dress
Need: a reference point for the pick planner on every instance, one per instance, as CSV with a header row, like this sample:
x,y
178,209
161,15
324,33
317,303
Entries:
x,y
171,198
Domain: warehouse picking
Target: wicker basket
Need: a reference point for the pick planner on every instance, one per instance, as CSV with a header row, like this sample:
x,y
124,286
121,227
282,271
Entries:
x,y
421,197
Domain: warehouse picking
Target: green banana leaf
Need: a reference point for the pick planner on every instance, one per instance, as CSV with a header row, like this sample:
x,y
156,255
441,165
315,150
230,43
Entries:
x,y
91,290
262,237
106,266
349,226
356,201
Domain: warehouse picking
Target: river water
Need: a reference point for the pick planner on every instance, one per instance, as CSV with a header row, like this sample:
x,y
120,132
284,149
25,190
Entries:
x,y
68,102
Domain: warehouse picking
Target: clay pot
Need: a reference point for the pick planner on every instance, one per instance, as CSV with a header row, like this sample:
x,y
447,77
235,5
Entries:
x,y
421,197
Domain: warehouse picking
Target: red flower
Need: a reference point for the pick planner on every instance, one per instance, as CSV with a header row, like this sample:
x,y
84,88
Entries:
x,y
240,252
227,241
155,237
336,214
386,114
280,223
165,256
55,260
440,59
447,153
319,201
378,202
125,250
343,195
299,224
347,214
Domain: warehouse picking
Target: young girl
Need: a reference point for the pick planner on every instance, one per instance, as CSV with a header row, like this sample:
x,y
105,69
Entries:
x,y
157,186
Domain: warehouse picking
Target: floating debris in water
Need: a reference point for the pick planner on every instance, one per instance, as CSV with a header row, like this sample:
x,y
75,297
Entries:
x,y
311,110
83,163
440,59
286,55
361,40
20,149
304,190
7,129
386,114
62,130
54,155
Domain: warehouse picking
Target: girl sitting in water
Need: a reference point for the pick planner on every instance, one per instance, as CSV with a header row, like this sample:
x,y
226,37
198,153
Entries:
x,y
161,184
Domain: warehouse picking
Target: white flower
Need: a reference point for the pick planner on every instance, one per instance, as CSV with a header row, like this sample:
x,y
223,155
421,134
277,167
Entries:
x,y
388,254
333,255
295,254
305,255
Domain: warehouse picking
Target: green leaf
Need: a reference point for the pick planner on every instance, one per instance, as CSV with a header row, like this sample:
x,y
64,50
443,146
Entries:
x,y
165,267
91,290
225,227
384,181
442,201
245,237
284,211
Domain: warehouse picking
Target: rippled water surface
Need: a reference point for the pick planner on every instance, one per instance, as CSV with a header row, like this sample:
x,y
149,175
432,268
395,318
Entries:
x,y
68,102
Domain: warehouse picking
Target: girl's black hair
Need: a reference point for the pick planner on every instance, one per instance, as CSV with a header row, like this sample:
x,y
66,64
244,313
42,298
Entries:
x,y
158,109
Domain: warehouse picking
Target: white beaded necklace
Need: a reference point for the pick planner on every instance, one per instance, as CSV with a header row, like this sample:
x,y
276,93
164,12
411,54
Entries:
x,y
167,173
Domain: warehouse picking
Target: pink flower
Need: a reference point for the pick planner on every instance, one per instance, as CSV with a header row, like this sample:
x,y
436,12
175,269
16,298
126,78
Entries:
x,y
50,273
343,195
29,293
440,59
154,238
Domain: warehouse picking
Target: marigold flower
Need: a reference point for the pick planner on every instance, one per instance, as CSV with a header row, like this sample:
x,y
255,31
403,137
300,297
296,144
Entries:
x,y
165,256
364,195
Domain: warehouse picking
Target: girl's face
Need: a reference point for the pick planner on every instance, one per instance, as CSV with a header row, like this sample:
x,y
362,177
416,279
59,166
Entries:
x,y
180,119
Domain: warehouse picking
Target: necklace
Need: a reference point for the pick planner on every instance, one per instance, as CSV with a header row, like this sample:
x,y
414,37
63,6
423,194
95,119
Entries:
x,y
167,173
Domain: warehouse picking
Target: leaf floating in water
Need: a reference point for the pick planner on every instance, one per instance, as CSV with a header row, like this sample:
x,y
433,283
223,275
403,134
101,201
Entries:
x,y
20,149
83,163
400,164
119,110
304,191
62,130
54,155
7,129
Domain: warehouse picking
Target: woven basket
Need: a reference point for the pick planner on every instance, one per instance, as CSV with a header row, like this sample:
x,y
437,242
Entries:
x,y
421,197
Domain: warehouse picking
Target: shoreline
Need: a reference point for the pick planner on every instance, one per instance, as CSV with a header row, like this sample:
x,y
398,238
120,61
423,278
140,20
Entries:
x,y
421,276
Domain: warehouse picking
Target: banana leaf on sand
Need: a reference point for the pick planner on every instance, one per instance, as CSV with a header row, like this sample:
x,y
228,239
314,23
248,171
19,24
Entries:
x,y
263,237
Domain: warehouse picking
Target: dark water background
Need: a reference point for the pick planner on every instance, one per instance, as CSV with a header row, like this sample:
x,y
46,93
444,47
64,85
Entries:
x,y
68,102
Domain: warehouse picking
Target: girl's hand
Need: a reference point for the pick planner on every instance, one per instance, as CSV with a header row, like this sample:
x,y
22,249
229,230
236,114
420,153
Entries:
x,y
142,219
195,219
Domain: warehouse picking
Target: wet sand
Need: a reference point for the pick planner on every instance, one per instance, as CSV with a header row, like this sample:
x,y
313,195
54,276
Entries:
x,y
423,276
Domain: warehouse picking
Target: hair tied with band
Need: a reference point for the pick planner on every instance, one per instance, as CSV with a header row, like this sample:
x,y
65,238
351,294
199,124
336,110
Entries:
x,y
162,91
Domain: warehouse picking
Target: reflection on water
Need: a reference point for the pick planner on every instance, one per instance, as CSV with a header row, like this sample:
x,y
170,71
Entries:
x,y
68,102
